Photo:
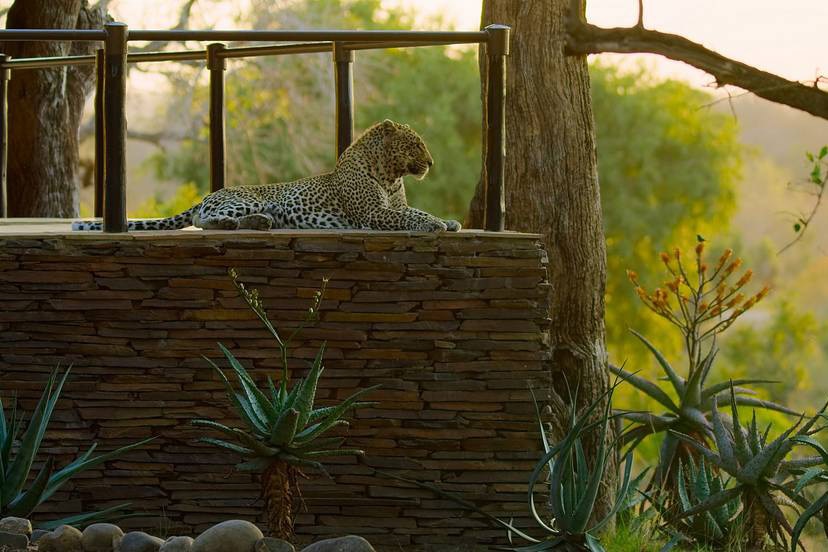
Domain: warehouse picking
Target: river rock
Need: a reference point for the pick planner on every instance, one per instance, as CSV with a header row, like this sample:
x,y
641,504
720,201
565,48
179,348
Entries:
x,y
16,525
351,543
177,544
13,542
63,539
272,544
37,533
138,541
234,535
100,537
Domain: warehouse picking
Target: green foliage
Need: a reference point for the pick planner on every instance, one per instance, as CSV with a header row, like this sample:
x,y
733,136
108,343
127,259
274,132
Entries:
x,y
282,423
283,130
18,499
696,486
186,196
781,347
701,302
765,479
668,170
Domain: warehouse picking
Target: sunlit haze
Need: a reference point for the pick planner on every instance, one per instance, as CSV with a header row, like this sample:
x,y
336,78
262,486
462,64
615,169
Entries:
x,y
784,38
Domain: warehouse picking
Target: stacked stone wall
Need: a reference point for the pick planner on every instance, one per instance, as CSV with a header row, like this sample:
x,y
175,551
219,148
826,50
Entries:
x,y
452,326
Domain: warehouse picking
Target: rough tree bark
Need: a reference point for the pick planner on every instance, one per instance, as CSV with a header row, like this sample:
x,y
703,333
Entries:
x,y
552,189
45,108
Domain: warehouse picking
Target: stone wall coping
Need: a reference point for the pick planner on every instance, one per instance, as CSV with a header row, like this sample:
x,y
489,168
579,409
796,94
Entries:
x,y
59,228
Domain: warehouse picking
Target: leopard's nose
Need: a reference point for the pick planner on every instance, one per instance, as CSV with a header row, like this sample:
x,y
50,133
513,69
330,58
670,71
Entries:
x,y
430,161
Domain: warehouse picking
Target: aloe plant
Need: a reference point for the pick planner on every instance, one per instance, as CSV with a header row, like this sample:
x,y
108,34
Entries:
x,y
284,431
573,484
16,497
696,484
573,481
701,302
764,479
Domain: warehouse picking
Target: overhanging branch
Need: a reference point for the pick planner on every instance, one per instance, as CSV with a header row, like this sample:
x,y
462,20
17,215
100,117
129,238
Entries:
x,y
584,38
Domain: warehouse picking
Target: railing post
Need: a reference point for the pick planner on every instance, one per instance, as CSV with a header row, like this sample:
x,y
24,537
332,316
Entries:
x,y
218,148
5,75
497,48
344,77
115,52
100,148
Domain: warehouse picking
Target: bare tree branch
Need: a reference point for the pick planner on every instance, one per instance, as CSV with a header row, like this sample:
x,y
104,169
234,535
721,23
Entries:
x,y
584,38
820,181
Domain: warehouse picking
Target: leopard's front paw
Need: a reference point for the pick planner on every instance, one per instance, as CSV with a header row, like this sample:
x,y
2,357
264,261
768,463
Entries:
x,y
434,226
453,225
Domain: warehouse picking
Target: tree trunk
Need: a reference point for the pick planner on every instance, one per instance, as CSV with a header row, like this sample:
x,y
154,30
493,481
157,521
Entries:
x,y
552,189
45,108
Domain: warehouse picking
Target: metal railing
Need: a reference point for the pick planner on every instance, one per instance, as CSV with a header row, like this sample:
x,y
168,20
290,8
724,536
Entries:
x,y
110,94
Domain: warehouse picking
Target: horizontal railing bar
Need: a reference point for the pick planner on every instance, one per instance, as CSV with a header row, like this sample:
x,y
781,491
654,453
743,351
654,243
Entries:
x,y
453,37
276,49
200,55
187,55
51,34
46,62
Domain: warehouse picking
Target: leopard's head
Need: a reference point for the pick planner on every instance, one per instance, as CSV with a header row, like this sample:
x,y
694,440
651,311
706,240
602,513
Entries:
x,y
405,151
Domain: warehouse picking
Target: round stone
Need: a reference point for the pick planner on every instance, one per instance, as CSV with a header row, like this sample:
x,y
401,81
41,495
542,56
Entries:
x,y
138,541
16,525
177,544
351,543
234,535
63,539
100,537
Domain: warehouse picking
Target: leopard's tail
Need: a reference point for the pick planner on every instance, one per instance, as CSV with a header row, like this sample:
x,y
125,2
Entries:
x,y
181,220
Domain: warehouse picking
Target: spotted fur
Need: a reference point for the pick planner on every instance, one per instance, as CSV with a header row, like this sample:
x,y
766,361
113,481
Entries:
x,y
364,191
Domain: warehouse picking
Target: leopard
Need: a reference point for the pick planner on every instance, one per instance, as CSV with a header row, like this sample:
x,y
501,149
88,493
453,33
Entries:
x,y
365,191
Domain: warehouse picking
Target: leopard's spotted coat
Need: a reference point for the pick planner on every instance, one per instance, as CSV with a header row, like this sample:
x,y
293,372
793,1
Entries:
x,y
364,191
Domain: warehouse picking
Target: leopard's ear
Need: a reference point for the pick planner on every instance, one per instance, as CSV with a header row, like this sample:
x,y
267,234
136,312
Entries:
x,y
388,127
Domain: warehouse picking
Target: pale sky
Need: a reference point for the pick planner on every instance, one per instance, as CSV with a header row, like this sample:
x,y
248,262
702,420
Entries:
x,y
786,38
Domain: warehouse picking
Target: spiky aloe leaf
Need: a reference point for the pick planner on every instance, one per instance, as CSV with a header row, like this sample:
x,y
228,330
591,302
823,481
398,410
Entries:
x,y
810,475
724,398
259,403
27,501
693,392
19,468
646,386
623,491
758,466
684,499
754,439
820,504
717,388
676,380
713,501
807,440
325,412
334,414
232,447
723,440
243,410
307,392
84,462
81,520
284,429
740,445
706,452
